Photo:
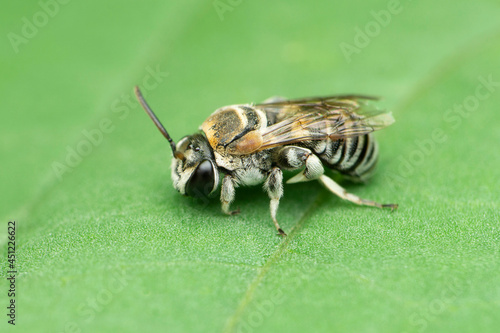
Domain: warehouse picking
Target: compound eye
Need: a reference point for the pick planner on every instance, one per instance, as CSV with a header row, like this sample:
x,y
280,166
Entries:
x,y
202,180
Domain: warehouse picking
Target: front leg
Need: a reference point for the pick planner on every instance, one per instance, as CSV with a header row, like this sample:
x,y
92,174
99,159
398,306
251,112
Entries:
x,y
274,188
227,194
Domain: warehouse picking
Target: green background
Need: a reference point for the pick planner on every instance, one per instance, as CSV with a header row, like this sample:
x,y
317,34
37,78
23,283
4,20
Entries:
x,y
111,245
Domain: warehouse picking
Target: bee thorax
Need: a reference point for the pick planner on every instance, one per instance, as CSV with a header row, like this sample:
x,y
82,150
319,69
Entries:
x,y
251,176
249,169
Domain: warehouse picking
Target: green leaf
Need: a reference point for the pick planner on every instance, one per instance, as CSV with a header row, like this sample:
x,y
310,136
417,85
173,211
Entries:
x,y
105,243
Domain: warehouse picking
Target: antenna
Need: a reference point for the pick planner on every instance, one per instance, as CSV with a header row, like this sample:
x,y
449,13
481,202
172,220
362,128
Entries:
x,y
155,119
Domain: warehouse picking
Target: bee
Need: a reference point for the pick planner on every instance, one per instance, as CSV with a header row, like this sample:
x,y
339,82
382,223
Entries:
x,y
250,144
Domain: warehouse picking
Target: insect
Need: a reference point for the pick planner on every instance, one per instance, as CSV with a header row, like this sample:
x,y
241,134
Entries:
x,y
250,144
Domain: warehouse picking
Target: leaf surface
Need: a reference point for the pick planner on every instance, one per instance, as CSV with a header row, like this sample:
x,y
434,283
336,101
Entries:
x,y
108,244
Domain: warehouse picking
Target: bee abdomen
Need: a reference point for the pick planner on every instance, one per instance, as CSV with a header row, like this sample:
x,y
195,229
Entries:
x,y
355,157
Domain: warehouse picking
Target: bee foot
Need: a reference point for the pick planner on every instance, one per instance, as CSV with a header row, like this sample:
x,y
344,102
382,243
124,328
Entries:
x,y
393,207
281,232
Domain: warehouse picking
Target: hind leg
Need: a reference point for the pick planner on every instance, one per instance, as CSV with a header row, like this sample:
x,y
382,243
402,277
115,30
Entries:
x,y
342,193
293,157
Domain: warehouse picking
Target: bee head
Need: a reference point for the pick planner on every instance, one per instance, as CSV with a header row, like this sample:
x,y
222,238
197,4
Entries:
x,y
194,171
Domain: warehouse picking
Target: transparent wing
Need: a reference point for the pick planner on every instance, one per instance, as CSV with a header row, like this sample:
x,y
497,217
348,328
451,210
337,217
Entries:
x,y
303,105
333,117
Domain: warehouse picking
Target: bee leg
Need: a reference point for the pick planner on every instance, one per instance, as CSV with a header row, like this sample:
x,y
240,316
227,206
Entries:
x,y
292,157
274,187
227,194
342,193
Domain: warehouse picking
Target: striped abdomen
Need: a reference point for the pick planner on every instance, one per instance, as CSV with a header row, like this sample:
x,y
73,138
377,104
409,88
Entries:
x,y
354,157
